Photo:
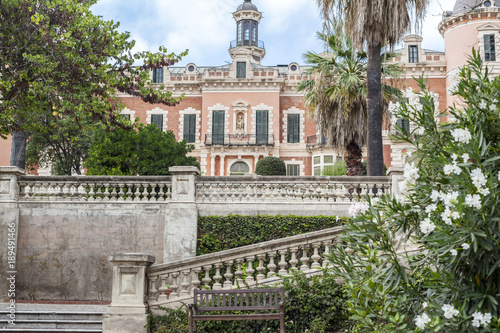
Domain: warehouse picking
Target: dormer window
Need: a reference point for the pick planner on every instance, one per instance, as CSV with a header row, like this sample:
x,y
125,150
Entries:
x,y
413,54
489,48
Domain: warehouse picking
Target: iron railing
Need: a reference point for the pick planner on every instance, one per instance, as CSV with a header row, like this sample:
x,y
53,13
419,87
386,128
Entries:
x,y
236,43
239,140
315,141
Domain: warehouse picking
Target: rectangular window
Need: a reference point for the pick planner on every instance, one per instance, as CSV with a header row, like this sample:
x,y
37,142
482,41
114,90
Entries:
x,y
293,128
158,75
157,119
218,127
489,48
190,128
317,160
413,54
317,171
241,70
125,116
293,170
404,125
261,131
328,159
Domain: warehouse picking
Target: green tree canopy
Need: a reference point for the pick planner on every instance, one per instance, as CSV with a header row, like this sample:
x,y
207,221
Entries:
x,y
59,61
147,151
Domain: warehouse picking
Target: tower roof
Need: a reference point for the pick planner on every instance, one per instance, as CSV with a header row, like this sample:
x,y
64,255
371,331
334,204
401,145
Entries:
x,y
247,5
463,6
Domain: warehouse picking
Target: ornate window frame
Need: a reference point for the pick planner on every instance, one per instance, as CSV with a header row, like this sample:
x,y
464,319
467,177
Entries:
x,y
263,107
218,107
294,110
157,110
190,110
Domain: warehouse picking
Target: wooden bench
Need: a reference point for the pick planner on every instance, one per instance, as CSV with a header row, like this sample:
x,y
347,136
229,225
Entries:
x,y
237,300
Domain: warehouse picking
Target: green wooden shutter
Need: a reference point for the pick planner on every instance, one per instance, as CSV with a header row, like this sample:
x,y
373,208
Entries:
x,y
241,70
158,75
157,119
190,128
262,127
218,127
293,128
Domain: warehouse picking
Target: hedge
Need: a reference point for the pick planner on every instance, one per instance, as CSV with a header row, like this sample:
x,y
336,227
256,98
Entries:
x,y
218,233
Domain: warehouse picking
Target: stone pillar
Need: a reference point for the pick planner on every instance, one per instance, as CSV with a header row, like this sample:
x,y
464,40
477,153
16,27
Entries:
x,y
181,223
212,164
127,312
9,227
222,165
396,174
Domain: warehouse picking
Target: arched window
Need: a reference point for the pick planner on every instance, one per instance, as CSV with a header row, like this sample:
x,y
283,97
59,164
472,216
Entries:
x,y
239,169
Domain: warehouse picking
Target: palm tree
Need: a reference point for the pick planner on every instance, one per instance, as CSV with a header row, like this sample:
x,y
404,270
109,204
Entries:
x,y
374,23
336,96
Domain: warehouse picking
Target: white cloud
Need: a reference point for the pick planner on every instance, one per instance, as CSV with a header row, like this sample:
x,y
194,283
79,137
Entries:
x,y
206,27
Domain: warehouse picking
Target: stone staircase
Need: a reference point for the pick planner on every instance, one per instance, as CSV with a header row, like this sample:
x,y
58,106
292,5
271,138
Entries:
x,y
54,318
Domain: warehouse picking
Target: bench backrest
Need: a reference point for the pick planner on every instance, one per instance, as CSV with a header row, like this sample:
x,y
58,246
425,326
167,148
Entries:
x,y
238,299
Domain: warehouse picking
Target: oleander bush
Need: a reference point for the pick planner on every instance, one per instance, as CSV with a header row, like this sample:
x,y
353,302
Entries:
x,y
270,166
218,233
449,211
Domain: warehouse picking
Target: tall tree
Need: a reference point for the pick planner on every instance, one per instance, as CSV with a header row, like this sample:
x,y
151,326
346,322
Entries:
x,y
336,96
374,24
59,60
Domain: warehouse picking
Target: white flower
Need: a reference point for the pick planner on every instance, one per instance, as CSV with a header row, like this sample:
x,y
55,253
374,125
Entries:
x,y
422,320
465,157
424,305
465,246
484,191
454,157
429,209
455,215
449,310
486,319
473,201
358,208
426,226
493,107
478,178
419,107
435,195
461,135
446,216
499,176
483,105
411,172
453,253
450,198
393,107
481,319
452,168
420,130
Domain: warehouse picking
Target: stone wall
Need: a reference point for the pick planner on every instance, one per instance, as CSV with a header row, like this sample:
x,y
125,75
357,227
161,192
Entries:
x,y
67,227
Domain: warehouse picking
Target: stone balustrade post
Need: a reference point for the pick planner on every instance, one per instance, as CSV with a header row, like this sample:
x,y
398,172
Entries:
x,y
127,312
396,174
181,224
9,226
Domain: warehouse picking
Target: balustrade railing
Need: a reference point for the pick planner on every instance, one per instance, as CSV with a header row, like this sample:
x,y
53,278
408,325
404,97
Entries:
x,y
242,267
92,188
289,189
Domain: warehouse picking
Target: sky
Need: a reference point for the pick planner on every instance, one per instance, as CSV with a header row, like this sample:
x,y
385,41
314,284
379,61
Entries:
x,y
206,27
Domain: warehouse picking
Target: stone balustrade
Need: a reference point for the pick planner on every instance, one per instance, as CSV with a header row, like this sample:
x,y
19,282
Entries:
x,y
241,267
95,188
289,189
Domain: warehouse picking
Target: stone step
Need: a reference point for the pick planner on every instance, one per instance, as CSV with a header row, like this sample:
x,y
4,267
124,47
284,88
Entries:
x,y
49,315
53,321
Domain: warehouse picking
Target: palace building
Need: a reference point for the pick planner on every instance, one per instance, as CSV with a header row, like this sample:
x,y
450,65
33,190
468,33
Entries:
x,y
237,113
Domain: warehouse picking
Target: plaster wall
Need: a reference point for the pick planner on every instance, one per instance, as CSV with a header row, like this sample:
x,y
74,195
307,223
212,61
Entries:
x,y
63,248
5,151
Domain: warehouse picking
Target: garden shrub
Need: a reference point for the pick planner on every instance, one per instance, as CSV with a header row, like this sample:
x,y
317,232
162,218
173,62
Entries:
x,y
337,169
449,210
270,166
315,304
218,233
